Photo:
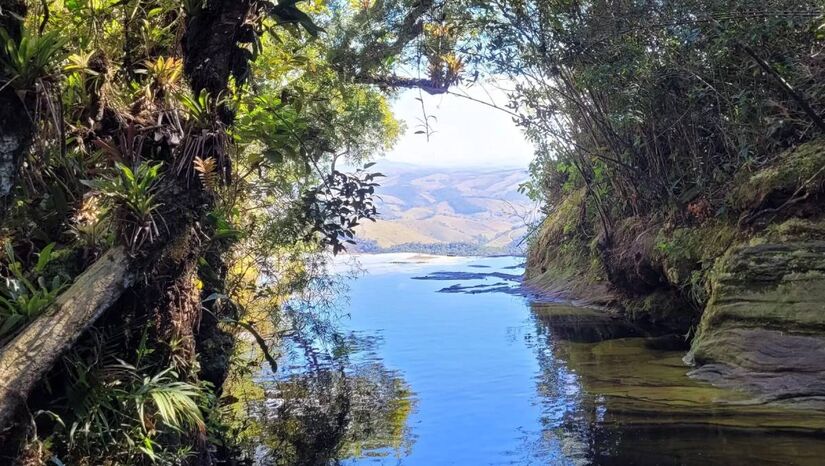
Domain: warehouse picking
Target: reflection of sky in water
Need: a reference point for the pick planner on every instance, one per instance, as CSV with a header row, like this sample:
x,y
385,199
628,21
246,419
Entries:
x,y
494,383
470,360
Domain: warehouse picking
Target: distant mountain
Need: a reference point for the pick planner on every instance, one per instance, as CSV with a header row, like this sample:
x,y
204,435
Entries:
x,y
438,210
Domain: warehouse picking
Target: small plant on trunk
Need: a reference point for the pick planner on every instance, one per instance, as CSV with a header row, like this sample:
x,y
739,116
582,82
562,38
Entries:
x,y
133,196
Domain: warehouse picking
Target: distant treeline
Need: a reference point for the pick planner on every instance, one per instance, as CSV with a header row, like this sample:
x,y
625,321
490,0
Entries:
x,y
368,246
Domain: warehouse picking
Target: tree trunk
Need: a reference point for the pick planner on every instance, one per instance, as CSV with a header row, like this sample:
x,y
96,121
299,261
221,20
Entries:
x,y
16,126
210,46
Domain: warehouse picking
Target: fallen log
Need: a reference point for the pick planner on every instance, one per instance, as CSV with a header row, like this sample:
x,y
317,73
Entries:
x,y
31,354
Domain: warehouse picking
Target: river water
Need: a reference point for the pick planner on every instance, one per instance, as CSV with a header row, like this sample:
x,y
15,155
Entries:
x,y
485,376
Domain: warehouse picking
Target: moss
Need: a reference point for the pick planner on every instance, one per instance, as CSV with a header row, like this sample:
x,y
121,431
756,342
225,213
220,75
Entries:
x,y
560,245
770,288
783,177
563,257
688,254
665,309
565,219
794,229
695,244
774,285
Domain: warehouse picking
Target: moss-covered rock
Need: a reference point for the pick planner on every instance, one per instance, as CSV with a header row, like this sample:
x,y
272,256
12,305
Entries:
x,y
687,254
764,326
794,229
799,168
562,260
664,309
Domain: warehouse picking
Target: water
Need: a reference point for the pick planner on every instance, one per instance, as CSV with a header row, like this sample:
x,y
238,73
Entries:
x,y
491,378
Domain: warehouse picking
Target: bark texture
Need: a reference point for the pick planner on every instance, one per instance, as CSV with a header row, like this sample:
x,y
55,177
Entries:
x,y
27,359
210,46
16,126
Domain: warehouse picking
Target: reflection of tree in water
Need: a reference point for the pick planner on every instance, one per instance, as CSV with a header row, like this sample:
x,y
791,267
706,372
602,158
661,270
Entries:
x,y
315,417
610,397
380,404
567,413
580,416
329,397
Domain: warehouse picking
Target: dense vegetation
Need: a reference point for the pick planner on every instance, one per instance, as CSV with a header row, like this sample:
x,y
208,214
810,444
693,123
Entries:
x,y
666,132
170,173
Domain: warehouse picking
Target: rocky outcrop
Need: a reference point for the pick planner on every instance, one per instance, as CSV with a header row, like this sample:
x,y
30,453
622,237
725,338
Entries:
x,y
749,279
763,329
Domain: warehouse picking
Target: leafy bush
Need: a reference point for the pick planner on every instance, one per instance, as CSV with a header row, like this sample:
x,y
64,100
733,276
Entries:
x,y
24,295
664,105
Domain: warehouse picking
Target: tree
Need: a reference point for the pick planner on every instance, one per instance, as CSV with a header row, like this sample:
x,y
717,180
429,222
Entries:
x,y
166,147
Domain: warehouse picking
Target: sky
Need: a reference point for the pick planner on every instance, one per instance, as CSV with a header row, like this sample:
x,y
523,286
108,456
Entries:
x,y
467,133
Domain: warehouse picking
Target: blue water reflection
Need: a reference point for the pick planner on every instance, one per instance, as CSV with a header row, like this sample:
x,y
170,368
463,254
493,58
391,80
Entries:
x,y
499,380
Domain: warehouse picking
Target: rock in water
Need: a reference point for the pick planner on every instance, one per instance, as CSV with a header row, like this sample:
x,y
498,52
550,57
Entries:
x,y
764,327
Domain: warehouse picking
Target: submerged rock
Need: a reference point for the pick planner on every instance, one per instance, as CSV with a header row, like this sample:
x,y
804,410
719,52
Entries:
x,y
764,327
456,276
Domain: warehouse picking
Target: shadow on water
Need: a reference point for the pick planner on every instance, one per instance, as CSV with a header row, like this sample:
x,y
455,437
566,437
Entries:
x,y
631,403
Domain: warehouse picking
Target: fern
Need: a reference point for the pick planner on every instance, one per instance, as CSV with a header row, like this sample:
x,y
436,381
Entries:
x,y
207,171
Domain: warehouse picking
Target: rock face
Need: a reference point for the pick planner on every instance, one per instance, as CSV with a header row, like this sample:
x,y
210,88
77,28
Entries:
x,y
764,327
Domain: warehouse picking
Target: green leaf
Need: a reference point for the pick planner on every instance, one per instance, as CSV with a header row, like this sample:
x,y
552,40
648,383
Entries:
x,y
43,258
126,171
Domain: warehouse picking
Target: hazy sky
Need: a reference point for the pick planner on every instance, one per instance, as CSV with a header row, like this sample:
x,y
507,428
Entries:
x,y
468,134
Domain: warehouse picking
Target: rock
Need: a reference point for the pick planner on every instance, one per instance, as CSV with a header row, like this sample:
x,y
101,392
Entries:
x,y
764,327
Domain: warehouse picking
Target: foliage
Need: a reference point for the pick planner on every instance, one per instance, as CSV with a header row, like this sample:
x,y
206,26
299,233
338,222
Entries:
x,y
662,107
165,72
90,223
695,119
336,207
25,294
31,58
120,413
129,131
133,195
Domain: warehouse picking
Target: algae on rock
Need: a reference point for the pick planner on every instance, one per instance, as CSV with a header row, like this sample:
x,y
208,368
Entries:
x,y
764,327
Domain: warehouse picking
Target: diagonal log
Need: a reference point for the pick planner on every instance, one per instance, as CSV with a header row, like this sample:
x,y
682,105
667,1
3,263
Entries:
x,y
27,358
